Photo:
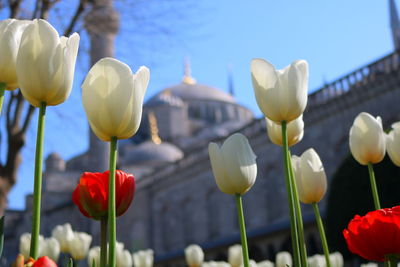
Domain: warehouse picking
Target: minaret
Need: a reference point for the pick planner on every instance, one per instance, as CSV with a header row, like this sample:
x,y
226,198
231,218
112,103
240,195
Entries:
x,y
187,74
153,127
231,87
394,24
102,24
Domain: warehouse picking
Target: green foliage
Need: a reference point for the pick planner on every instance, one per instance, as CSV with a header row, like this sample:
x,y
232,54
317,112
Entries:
x,y
350,194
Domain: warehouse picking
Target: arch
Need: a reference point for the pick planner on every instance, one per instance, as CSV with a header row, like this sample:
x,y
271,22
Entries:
x,y
350,194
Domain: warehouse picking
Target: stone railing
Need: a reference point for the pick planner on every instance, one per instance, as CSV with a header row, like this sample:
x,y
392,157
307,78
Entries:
x,y
356,79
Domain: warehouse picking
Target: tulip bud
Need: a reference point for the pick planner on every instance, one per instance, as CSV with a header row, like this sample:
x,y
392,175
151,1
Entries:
x,y
143,258
64,236
283,259
316,261
265,263
124,258
113,97
336,259
91,194
393,144
50,247
46,63
10,37
194,256
235,256
252,263
369,264
25,244
234,164
44,262
310,177
281,94
295,131
367,139
79,246
94,256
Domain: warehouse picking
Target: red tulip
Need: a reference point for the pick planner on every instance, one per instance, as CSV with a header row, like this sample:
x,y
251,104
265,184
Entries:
x,y
375,235
41,262
44,262
91,194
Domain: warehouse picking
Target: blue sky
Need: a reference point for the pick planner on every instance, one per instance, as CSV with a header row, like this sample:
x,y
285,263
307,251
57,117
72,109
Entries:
x,y
335,37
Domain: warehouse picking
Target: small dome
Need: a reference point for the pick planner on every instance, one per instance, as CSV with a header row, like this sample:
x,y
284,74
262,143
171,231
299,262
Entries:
x,y
165,98
196,91
149,153
54,162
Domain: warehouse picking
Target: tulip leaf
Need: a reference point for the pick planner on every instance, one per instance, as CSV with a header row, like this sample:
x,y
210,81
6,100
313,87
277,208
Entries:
x,y
70,263
93,263
1,235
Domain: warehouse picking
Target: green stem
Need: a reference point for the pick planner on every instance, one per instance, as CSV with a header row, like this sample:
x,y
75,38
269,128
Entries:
x,y
37,188
3,87
322,233
393,262
390,260
103,242
242,226
293,220
374,188
111,204
299,217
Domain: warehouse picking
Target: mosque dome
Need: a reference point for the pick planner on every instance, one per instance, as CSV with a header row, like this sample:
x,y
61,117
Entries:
x,y
153,152
189,90
150,153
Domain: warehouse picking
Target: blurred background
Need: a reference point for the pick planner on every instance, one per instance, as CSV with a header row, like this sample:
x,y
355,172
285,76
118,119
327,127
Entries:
x,y
199,55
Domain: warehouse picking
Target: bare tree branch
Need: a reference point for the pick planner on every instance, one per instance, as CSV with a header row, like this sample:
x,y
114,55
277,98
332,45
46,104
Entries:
x,y
81,8
36,10
27,119
18,109
14,6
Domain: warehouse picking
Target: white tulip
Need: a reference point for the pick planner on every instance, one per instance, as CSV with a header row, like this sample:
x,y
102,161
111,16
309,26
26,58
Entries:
x,y
283,259
369,264
265,263
10,37
25,244
143,258
46,64
235,255
64,236
316,261
79,246
367,139
124,258
113,98
295,131
50,247
252,263
336,259
393,144
234,164
281,94
216,264
310,177
94,256
194,256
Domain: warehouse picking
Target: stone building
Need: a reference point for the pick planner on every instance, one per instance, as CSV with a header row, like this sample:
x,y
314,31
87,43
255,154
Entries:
x,y
177,202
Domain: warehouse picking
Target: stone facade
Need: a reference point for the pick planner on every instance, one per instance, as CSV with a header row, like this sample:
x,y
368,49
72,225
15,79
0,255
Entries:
x,y
178,203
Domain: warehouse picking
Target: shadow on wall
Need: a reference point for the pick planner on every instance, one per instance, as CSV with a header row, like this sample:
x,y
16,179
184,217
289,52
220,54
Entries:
x,y
350,194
